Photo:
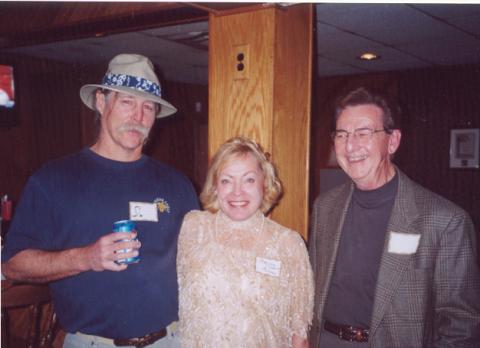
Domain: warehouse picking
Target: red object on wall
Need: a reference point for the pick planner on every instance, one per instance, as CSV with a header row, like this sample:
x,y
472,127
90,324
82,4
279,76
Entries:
x,y
6,210
6,80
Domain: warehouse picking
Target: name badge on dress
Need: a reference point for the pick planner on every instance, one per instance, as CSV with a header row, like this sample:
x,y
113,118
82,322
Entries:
x,y
267,266
140,211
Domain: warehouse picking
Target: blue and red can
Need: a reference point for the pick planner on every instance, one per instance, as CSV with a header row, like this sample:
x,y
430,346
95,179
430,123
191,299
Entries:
x,y
125,226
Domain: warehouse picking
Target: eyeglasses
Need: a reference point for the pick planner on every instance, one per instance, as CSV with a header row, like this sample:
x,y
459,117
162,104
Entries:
x,y
359,134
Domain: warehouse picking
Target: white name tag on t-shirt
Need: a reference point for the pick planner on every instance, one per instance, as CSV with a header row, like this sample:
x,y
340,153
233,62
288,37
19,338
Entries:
x,y
141,211
267,266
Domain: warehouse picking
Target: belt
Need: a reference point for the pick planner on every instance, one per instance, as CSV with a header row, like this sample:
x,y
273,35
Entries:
x,y
141,341
347,333
137,341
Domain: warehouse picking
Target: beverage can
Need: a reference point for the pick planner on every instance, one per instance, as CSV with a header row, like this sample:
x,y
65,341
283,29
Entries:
x,y
125,226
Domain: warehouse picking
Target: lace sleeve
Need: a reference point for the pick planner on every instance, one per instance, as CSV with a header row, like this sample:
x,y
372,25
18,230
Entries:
x,y
301,306
185,243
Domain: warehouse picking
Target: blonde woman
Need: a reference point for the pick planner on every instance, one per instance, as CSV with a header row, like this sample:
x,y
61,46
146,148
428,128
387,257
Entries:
x,y
244,280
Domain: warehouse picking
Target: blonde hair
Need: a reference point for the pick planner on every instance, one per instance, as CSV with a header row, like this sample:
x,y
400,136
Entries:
x,y
235,148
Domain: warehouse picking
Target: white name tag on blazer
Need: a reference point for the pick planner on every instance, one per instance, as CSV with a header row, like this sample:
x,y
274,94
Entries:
x,y
403,243
267,266
141,211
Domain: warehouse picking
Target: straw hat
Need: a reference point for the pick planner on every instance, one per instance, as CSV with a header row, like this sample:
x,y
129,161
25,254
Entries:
x,y
131,74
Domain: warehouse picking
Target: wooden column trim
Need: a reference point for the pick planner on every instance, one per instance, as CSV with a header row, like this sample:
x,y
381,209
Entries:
x,y
269,99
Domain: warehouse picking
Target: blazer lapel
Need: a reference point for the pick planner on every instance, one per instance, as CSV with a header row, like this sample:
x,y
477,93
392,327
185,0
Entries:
x,y
393,265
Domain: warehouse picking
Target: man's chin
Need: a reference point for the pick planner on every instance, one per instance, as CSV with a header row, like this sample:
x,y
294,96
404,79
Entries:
x,y
134,144
133,136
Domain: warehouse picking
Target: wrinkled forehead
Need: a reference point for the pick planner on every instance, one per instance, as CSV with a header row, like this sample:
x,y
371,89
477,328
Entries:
x,y
124,95
240,157
114,96
358,115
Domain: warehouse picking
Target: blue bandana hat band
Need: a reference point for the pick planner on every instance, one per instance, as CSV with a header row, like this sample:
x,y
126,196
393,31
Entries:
x,y
138,83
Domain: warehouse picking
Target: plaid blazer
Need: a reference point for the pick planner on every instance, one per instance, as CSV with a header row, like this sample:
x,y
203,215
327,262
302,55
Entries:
x,y
425,298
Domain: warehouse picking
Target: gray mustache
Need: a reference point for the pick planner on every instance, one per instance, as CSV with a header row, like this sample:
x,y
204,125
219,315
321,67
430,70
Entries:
x,y
134,127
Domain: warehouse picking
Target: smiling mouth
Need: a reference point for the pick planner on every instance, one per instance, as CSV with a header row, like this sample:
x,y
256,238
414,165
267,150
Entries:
x,y
356,158
239,204
133,131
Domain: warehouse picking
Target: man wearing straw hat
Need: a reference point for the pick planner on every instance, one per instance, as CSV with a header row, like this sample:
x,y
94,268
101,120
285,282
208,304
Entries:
x,y
62,229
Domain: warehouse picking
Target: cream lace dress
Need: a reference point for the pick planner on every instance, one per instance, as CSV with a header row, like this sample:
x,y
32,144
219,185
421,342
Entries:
x,y
242,284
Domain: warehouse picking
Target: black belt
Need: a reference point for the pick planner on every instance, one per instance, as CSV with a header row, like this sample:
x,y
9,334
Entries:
x,y
140,342
347,333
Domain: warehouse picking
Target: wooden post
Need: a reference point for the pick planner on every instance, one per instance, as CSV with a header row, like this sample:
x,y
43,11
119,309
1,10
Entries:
x,y
260,69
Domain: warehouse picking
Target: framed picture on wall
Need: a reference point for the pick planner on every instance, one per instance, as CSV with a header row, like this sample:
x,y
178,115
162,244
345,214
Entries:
x,y
465,148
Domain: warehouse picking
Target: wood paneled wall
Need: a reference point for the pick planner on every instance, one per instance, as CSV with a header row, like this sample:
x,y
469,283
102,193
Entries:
x,y
48,122
182,140
433,101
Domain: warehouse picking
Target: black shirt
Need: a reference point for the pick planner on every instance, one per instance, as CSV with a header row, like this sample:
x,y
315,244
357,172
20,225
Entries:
x,y
352,289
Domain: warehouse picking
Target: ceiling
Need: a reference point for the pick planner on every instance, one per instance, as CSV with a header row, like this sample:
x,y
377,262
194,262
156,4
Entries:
x,y
406,36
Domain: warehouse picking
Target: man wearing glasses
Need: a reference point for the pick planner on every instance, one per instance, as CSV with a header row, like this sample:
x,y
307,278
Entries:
x,y
394,264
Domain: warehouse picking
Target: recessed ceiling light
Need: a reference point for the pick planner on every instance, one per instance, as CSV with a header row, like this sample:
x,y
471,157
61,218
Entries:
x,y
368,56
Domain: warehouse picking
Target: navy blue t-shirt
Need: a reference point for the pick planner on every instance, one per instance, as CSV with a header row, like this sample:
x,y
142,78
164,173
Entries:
x,y
72,202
